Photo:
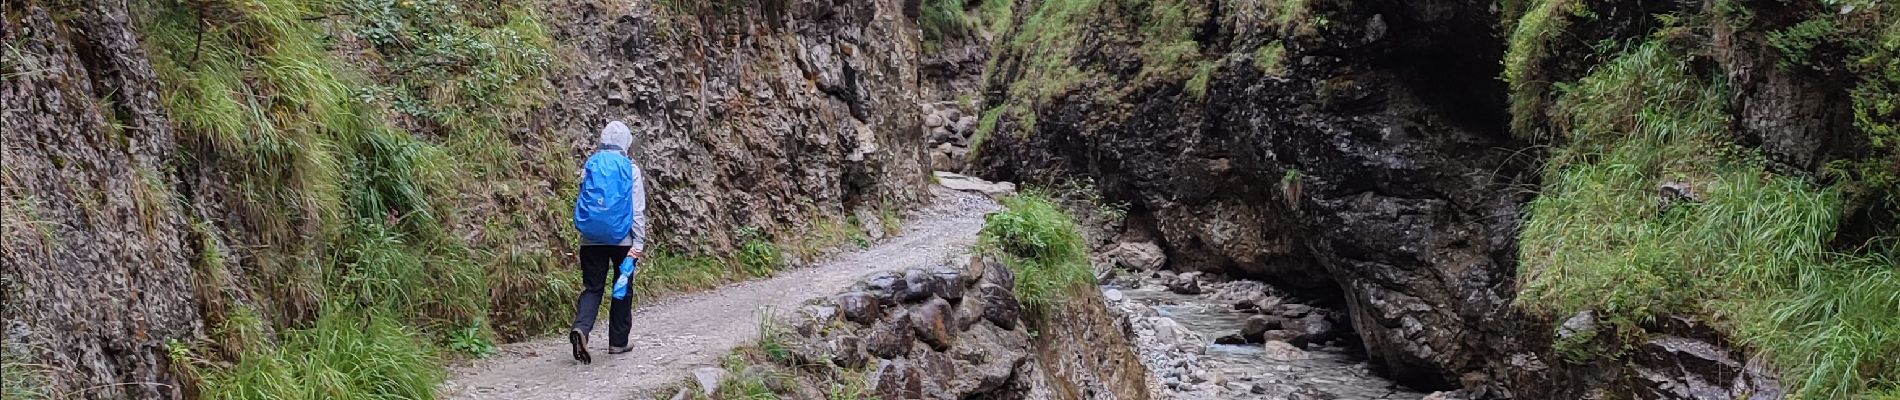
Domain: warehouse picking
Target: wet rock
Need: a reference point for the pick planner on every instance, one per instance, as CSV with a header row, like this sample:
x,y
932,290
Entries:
x,y
1282,335
932,321
1315,328
860,307
1000,305
1292,310
892,337
1283,351
1258,325
1187,283
1230,339
965,125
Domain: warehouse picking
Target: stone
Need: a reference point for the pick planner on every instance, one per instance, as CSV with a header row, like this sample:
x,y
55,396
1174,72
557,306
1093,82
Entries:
x,y
1230,339
1315,328
960,182
888,285
709,379
1282,335
845,352
918,285
1000,305
969,312
1112,295
996,273
973,270
1137,255
1584,323
943,138
1257,325
1292,310
892,337
931,322
949,284
933,121
943,161
1283,351
965,125
1186,284
860,307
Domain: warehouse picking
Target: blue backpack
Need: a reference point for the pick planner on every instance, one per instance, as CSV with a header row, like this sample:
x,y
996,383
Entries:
x,y
603,212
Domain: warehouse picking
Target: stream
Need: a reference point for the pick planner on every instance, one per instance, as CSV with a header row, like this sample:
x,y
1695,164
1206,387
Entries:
x,y
1242,371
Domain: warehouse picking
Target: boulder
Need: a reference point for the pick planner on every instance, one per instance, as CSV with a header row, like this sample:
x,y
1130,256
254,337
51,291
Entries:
x,y
1291,310
1112,295
933,120
943,161
1137,255
1187,284
942,137
891,338
973,270
931,322
969,312
844,350
1315,328
1258,325
1282,335
860,307
1283,351
889,285
1230,339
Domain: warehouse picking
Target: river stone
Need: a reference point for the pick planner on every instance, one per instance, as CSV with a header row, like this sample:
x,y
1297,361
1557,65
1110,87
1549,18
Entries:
x,y
1187,284
1283,351
1282,335
1000,305
1137,255
932,321
859,307
918,285
1258,325
1317,329
891,338
1112,295
1293,310
1230,339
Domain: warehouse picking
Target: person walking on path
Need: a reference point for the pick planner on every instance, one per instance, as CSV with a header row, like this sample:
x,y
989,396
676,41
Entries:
x,y
610,213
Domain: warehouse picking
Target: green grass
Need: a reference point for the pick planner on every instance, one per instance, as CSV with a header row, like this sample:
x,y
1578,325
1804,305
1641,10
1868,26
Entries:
x,y
943,19
1752,255
1197,85
24,379
1042,244
346,355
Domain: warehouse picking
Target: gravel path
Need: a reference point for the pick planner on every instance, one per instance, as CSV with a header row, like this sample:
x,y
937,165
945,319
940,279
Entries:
x,y
681,333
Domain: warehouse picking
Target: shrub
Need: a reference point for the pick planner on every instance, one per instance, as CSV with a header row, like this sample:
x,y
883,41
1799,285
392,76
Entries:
x,y
1042,244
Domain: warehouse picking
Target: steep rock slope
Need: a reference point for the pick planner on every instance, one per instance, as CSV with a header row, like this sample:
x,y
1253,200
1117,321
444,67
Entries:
x,y
190,186
1367,152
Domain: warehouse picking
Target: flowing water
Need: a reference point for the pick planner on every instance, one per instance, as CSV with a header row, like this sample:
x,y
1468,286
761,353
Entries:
x,y
1247,371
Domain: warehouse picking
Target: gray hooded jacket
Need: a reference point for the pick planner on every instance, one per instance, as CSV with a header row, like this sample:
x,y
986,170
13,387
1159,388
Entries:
x,y
617,135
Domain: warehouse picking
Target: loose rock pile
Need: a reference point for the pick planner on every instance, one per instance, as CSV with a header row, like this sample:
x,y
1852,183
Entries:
x,y
948,129
950,332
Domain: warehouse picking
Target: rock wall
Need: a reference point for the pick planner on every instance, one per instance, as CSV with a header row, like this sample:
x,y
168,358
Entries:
x,y
768,114
94,271
776,115
960,332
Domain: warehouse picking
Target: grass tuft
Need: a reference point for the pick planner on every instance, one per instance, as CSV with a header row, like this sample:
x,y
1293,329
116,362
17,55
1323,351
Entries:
x,y
1042,244
346,355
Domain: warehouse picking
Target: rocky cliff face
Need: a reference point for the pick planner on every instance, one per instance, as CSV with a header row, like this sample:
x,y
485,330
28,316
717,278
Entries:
x,y
128,230
773,114
1361,151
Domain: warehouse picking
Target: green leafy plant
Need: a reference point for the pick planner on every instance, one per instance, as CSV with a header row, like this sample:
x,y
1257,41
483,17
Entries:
x,y
472,341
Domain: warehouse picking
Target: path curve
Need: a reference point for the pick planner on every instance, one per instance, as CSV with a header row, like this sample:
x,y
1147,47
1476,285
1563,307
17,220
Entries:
x,y
681,333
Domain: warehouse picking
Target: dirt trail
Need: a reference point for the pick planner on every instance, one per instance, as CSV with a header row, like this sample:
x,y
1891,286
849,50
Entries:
x,y
675,335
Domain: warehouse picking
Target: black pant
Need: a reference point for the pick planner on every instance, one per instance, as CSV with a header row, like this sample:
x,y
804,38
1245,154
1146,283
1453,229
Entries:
x,y
596,261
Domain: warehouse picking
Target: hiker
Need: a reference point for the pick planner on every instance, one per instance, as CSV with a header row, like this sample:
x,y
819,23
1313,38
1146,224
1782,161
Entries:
x,y
610,213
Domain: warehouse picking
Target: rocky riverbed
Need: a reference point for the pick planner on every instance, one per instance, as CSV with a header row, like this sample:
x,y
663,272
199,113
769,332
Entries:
x,y
1206,339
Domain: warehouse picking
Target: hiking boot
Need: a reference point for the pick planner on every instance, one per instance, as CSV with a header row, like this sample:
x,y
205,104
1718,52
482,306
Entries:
x,y
579,342
619,349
